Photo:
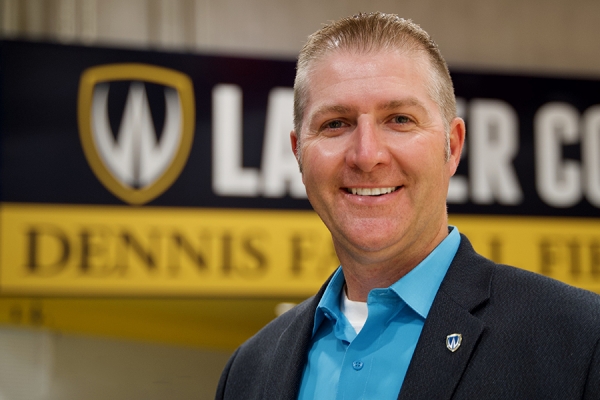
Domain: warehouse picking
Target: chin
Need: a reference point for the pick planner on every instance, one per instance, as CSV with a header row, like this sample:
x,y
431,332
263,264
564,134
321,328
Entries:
x,y
373,244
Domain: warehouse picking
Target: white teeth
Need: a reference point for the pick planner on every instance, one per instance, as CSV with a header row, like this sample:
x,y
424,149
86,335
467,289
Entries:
x,y
371,191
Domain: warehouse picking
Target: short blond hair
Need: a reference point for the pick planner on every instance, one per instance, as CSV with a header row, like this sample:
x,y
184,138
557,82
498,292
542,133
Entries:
x,y
370,33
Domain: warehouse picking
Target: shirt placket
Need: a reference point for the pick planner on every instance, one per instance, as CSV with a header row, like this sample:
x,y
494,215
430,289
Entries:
x,y
361,352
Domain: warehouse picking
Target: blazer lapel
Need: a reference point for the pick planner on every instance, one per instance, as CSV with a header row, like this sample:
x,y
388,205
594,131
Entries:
x,y
287,367
435,371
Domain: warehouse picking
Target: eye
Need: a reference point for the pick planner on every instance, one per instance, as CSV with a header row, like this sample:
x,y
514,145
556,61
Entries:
x,y
401,119
333,127
335,124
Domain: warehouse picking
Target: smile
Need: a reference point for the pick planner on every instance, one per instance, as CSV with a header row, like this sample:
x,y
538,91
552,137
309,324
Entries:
x,y
372,191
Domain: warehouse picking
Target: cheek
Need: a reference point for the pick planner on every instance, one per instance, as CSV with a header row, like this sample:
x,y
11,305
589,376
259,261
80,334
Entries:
x,y
422,149
321,152
411,154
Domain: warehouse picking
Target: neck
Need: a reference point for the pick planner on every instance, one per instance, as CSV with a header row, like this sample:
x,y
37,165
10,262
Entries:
x,y
364,272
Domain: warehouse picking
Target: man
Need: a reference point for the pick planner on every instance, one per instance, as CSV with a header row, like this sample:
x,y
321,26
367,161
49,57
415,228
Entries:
x,y
413,312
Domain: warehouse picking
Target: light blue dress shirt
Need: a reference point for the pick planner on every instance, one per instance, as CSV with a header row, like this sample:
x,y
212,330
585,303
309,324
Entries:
x,y
373,363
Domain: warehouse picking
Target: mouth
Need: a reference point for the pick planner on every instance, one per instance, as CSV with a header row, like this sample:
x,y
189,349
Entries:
x,y
372,191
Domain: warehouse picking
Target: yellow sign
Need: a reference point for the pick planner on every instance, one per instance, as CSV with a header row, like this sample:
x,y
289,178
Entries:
x,y
103,250
124,251
567,249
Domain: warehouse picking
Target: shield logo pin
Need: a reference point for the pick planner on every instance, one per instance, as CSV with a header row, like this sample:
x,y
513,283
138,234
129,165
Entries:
x,y
453,341
137,163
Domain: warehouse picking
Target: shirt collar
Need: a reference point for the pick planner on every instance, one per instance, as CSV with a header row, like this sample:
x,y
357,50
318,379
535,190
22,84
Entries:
x,y
329,306
417,288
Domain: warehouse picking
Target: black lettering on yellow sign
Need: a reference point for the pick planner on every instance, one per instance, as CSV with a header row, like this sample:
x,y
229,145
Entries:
x,y
145,251
128,242
199,256
573,256
496,249
52,263
595,257
92,246
256,266
100,251
308,249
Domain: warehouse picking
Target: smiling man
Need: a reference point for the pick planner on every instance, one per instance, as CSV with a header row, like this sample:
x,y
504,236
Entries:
x,y
413,312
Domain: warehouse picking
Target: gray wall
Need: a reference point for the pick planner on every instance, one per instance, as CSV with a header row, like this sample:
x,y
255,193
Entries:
x,y
539,36
44,365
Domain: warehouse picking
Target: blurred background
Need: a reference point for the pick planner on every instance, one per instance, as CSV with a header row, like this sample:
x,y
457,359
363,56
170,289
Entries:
x,y
121,286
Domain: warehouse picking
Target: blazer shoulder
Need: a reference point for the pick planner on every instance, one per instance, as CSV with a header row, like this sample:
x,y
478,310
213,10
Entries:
x,y
296,322
532,291
524,334
486,288
269,364
301,314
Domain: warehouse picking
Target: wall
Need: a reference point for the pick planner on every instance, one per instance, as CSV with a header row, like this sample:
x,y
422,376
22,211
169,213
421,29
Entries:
x,y
538,36
541,36
43,365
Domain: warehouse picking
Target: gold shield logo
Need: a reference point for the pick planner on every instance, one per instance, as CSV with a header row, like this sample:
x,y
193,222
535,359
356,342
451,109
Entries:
x,y
133,163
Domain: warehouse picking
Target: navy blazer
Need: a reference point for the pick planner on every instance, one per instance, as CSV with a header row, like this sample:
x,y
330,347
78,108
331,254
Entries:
x,y
524,336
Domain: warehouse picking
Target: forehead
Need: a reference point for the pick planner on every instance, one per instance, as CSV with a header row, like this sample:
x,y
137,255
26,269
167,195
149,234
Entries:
x,y
346,77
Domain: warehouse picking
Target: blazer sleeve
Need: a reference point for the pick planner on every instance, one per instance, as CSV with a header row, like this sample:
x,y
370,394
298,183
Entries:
x,y
220,394
592,387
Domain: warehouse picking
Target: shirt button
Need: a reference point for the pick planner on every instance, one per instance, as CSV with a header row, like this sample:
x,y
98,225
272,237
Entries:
x,y
357,365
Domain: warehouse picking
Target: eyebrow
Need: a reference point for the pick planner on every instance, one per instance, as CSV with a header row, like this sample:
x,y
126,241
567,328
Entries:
x,y
408,102
388,105
336,109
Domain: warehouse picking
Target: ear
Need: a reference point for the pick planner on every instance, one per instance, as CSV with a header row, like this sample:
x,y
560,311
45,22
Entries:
x,y
296,150
457,141
294,141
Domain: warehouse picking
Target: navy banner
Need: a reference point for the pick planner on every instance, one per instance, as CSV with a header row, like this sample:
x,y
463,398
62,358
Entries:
x,y
83,125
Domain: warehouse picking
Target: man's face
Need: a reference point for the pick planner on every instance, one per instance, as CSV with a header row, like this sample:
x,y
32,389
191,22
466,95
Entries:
x,y
373,154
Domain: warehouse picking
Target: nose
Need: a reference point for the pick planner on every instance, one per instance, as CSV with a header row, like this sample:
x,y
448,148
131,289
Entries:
x,y
368,148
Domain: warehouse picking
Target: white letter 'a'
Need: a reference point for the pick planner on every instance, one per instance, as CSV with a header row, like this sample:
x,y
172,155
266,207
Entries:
x,y
279,166
230,178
